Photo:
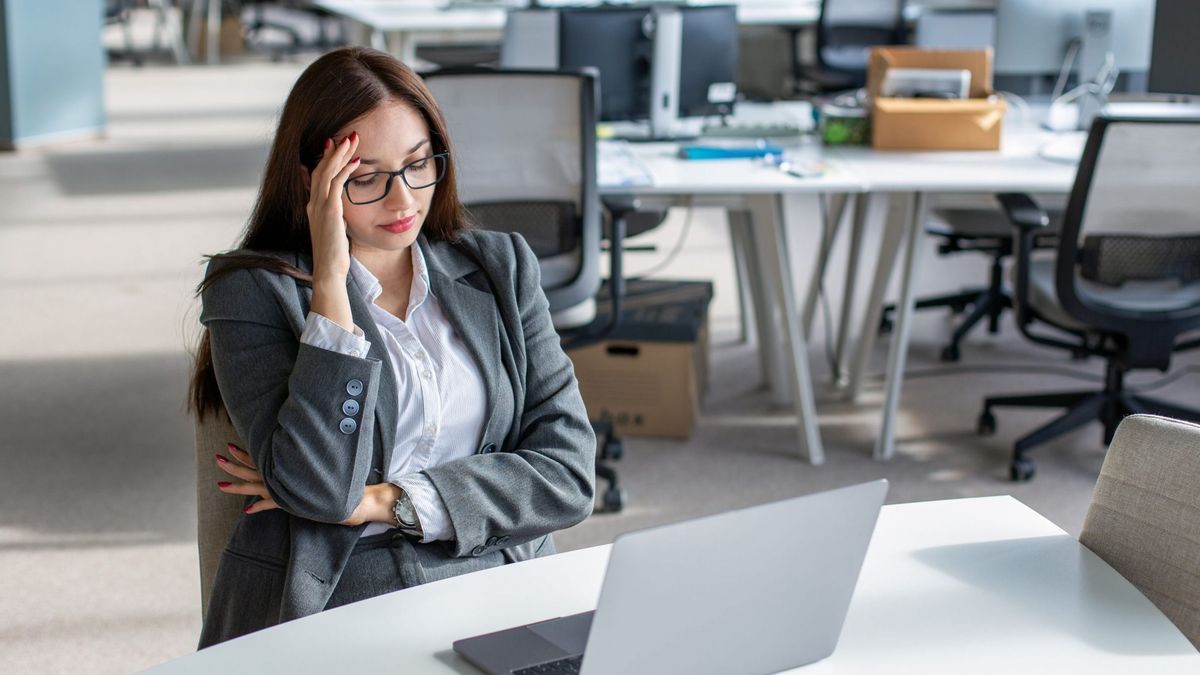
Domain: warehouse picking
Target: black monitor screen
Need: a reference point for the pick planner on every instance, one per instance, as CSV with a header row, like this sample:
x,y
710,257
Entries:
x,y
1175,54
615,42
709,56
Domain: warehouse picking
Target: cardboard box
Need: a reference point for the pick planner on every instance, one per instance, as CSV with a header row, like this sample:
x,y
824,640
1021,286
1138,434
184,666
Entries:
x,y
935,124
650,376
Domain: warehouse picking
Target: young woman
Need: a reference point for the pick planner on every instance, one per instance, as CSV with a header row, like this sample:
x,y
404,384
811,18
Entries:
x,y
407,410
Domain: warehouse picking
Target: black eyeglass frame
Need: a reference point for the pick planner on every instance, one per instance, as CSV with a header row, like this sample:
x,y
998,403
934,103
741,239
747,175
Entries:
x,y
387,188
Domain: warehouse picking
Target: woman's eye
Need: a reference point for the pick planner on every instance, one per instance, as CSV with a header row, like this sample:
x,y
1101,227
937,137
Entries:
x,y
419,165
366,181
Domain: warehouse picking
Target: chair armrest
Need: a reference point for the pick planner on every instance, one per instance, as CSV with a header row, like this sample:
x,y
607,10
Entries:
x,y
1023,211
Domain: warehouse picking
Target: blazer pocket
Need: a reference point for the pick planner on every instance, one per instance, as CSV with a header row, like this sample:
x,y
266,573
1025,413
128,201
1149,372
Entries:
x,y
267,562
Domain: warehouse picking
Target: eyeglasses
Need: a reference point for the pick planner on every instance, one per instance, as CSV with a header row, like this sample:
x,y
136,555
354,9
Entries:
x,y
371,187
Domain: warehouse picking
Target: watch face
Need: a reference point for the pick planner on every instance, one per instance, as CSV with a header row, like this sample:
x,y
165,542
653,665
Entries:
x,y
405,514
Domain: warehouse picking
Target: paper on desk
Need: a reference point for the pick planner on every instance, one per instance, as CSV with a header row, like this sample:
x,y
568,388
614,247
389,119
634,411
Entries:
x,y
617,165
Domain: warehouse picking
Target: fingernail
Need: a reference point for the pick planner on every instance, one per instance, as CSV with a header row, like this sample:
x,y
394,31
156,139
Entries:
x,y
222,459
247,509
344,140
232,447
354,135
355,160
328,143
223,483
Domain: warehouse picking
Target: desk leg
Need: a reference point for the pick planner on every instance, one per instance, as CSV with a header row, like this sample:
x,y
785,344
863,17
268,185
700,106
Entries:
x,y
766,213
743,269
213,39
829,229
885,444
859,216
894,227
770,354
402,46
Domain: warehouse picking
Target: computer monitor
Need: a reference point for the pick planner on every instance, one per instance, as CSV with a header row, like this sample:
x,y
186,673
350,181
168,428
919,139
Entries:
x,y
708,60
618,41
1175,56
1032,35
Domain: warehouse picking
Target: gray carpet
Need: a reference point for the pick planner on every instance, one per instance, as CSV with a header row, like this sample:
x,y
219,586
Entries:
x,y
100,244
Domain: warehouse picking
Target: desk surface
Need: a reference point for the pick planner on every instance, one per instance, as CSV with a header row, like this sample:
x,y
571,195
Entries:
x,y
973,585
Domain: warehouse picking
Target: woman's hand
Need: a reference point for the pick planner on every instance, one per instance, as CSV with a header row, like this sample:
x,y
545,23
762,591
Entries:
x,y
242,466
327,225
375,505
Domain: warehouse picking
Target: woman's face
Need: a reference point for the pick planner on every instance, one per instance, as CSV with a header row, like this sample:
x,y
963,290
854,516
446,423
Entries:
x,y
391,137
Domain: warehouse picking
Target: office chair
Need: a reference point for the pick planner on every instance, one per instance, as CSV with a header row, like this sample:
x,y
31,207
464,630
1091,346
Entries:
x,y
1124,281
217,513
846,31
525,148
986,231
1144,518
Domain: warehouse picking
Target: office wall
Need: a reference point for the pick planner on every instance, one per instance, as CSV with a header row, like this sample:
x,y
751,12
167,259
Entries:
x,y
51,70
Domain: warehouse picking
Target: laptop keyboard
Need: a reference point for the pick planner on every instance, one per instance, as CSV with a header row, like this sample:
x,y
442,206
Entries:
x,y
567,666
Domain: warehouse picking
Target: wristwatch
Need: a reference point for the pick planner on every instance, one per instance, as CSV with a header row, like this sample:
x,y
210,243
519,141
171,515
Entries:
x,y
406,515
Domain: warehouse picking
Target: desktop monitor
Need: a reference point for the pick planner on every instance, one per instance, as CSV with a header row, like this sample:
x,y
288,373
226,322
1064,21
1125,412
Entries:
x,y
708,60
1032,35
617,41
1175,57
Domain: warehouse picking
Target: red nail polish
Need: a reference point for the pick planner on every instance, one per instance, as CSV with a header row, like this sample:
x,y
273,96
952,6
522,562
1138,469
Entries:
x,y
355,160
222,459
223,483
328,143
231,447
247,509
354,135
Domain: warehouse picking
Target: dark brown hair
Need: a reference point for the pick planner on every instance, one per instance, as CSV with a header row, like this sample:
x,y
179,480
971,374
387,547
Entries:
x,y
336,89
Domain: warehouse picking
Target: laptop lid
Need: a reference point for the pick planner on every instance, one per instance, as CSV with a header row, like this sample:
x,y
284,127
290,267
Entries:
x,y
752,591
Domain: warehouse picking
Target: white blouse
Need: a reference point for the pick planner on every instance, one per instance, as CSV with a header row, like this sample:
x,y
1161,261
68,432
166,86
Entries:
x,y
441,395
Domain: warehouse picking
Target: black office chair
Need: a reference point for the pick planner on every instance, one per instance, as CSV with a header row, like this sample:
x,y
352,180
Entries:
x,y
1124,283
529,166
986,231
846,31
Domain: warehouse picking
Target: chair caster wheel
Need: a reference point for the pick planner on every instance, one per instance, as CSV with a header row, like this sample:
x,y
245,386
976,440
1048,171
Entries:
x,y
986,425
958,308
885,326
614,500
613,449
950,353
1021,470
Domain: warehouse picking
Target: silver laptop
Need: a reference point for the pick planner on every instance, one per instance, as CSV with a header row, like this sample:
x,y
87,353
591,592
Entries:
x,y
752,591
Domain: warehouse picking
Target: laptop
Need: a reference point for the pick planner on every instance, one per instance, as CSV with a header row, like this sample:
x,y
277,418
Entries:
x,y
753,591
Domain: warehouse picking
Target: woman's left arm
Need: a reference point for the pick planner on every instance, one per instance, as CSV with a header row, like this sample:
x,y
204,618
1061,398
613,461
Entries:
x,y
545,483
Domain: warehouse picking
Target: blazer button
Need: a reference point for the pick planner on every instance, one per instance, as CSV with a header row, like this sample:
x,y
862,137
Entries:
x,y
492,541
350,407
348,426
478,550
354,387
502,540
488,449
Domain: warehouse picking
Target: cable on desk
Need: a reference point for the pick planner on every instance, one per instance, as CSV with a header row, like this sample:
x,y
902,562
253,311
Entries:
x,y
687,225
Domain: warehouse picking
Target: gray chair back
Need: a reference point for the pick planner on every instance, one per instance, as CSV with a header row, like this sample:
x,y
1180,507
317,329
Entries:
x,y
1128,261
847,29
216,512
1144,518
524,145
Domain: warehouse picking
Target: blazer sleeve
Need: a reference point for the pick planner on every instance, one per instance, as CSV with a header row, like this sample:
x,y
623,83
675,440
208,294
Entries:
x,y
288,400
546,482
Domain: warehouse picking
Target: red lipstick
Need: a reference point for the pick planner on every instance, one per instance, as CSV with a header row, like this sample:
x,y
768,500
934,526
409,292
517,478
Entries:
x,y
401,226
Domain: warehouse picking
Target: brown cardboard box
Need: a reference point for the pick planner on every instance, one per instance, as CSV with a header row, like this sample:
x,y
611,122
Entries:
x,y
643,388
932,124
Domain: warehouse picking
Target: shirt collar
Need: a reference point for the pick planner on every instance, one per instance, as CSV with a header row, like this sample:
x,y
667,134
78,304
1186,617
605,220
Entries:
x,y
371,288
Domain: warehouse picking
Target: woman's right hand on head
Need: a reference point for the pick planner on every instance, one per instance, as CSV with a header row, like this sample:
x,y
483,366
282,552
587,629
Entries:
x,y
327,224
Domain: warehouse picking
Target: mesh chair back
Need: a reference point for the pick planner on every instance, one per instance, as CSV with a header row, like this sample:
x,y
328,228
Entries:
x,y
849,28
524,146
1129,253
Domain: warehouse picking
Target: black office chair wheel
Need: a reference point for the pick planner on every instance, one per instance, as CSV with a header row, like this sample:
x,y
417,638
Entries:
x,y
613,449
614,500
950,354
1021,470
986,425
959,307
885,325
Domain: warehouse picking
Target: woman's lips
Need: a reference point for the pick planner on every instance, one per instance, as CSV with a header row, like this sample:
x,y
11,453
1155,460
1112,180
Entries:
x,y
401,226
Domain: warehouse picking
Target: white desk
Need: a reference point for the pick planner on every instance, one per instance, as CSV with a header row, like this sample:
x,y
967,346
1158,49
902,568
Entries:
x,y
908,178
397,26
963,586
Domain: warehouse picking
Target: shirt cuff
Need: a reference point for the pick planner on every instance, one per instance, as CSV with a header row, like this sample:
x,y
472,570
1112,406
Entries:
x,y
431,511
322,333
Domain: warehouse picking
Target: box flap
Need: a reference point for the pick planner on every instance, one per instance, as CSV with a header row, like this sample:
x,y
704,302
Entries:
x,y
977,61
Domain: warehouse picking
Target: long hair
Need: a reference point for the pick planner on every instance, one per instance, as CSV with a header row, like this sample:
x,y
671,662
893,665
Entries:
x,y
335,90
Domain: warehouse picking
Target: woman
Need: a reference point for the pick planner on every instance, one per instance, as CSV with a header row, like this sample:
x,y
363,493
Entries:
x,y
408,412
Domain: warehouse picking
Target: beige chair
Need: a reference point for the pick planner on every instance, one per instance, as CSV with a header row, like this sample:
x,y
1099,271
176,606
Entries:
x,y
1145,514
216,512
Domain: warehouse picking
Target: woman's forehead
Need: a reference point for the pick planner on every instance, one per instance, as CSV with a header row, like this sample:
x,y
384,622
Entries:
x,y
392,127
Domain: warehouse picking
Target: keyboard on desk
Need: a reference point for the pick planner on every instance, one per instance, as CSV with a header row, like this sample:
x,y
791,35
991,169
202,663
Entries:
x,y
758,130
567,666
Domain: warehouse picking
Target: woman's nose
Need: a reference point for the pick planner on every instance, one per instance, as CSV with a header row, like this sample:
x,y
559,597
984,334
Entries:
x,y
400,195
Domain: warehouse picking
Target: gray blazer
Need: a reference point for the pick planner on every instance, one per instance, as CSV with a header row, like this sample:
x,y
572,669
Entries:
x,y
532,474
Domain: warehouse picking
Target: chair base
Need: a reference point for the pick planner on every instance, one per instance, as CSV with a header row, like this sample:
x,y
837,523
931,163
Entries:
x,y
609,447
988,303
1109,407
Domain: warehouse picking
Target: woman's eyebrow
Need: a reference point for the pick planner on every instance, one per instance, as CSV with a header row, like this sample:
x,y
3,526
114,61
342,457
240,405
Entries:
x,y
367,160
